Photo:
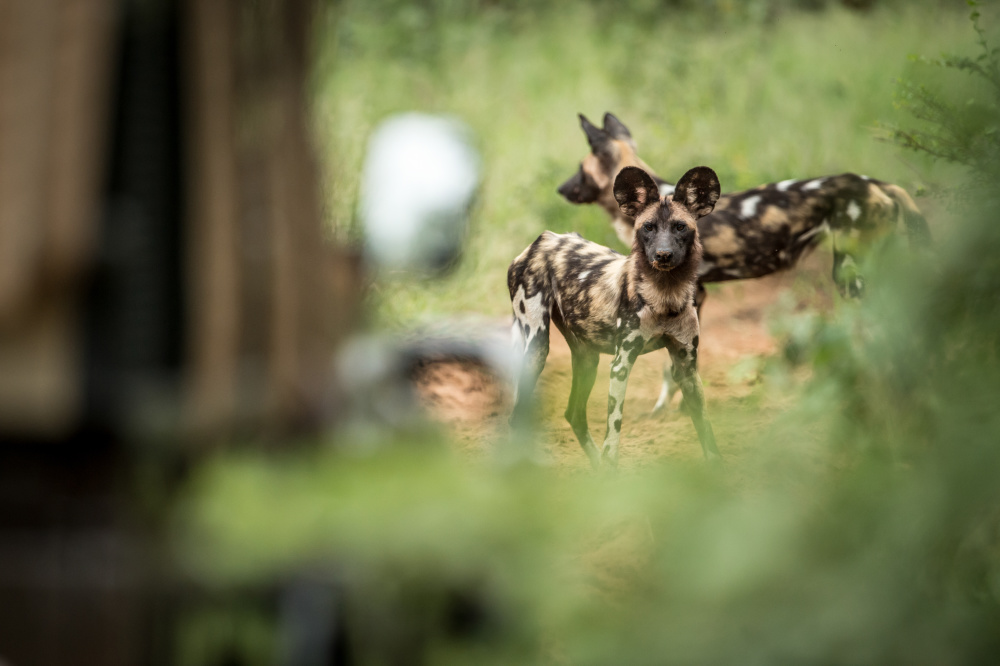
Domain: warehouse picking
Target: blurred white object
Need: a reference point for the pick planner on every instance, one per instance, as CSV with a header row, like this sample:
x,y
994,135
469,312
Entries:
x,y
417,185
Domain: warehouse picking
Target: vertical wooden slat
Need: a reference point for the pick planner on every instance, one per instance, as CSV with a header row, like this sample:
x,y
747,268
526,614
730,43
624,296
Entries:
x,y
77,135
260,278
55,61
212,226
27,52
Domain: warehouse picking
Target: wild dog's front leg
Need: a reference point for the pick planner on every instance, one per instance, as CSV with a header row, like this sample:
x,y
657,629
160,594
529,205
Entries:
x,y
685,360
699,298
626,352
669,387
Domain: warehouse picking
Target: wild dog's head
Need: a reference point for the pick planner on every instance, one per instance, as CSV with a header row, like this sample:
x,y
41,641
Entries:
x,y
665,229
611,148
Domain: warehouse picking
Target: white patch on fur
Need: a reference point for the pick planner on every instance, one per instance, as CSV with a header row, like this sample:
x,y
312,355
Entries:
x,y
583,275
516,338
785,184
749,206
666,190
823,228
517,363
532,316
619,324
853,211
814,184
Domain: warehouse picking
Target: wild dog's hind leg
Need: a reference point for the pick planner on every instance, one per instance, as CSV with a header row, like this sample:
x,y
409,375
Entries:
x,y
532,324
668,389
584,374
685,359
850,283
845,238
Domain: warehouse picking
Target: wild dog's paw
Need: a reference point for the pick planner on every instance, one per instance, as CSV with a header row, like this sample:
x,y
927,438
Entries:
x,y
609,457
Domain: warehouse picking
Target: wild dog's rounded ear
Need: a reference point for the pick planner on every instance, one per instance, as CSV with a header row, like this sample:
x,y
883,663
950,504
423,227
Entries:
x,y
616,128
635,190
698,190
599,140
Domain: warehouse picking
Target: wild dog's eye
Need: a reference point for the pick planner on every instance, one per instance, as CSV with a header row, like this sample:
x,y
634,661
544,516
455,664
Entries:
x,y
649,226
680,226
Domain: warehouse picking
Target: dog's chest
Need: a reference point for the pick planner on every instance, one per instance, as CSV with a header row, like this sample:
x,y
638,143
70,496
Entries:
x,y
654,325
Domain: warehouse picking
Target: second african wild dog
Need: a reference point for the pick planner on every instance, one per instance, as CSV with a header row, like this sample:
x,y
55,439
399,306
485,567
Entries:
x,y
607,303
762,230
758,231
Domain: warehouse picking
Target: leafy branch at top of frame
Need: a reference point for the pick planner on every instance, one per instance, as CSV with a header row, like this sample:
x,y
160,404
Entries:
x,y
964,133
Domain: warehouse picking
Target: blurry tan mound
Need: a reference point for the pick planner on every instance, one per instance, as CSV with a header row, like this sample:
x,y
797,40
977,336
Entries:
x,y
465,396
459,391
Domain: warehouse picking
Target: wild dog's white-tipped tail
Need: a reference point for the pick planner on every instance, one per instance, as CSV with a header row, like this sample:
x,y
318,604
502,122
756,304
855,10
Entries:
x,y
917,231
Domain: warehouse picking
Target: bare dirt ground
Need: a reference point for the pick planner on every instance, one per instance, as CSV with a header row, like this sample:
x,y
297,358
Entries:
x,y
734,336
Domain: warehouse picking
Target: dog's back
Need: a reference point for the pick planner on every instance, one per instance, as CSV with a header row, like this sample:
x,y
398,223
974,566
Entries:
x,y
769,228
577,281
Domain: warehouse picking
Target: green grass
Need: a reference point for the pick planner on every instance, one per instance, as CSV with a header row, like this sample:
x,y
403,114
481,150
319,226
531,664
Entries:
x,y
759,101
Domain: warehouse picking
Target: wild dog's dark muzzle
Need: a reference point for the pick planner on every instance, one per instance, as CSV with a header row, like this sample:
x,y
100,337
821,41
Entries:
x,y
664,257
570,188
576,190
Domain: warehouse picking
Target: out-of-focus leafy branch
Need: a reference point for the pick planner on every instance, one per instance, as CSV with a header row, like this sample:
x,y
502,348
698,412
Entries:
x,y
962,133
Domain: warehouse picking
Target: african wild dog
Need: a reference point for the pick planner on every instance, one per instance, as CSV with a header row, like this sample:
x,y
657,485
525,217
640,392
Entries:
x,y
607,303
759,231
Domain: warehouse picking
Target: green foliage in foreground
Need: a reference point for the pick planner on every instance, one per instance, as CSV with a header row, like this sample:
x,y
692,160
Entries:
x,y
865,528
868,531
888,551
757,100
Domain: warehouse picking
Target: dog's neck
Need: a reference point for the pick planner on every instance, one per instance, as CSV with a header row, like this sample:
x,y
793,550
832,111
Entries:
x,y
664,292
606,200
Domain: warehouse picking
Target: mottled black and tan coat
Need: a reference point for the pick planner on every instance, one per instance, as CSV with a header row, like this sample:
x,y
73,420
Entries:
x,y
765,229
607,303
759,231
